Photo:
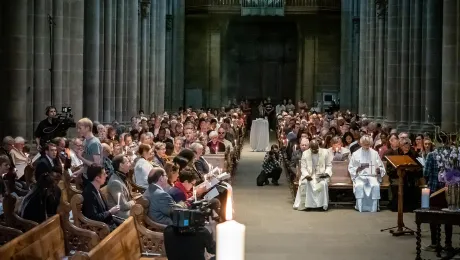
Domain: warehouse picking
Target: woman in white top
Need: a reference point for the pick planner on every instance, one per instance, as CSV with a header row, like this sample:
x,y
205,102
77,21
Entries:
x,y
143,165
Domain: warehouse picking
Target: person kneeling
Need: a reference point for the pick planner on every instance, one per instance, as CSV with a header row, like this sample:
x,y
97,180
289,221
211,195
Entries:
x,y
271,167
366,170
316,168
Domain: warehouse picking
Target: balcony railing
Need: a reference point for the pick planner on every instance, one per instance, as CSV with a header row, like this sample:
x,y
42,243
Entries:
x,y
261,7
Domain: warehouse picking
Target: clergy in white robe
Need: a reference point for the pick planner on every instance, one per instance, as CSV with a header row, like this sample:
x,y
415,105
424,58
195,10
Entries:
x,y
316,169
366,171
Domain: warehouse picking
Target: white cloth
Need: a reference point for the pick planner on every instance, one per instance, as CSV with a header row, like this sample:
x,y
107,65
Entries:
x,y
280,108
314,193
259,138
366,183
141,172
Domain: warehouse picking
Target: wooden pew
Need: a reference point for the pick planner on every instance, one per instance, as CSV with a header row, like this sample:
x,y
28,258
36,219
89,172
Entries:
x,y
7,234
147,245
45,241
12,219
100,228
122,243
132,186
216,160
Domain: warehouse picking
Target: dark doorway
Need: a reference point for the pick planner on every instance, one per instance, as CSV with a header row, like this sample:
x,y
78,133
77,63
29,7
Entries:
x,y
262,58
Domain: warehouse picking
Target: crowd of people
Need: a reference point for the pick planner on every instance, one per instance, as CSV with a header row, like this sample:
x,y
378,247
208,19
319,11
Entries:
x,y
311,141
163,152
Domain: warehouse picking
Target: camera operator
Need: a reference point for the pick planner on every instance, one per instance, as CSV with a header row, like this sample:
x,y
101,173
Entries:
x,y
188,237
271,167
46,129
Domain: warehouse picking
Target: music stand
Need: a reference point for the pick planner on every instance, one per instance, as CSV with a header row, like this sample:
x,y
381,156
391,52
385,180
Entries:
x,y
401,163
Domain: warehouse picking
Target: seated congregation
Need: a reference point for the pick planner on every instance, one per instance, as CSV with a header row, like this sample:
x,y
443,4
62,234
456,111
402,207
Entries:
x,y
110,194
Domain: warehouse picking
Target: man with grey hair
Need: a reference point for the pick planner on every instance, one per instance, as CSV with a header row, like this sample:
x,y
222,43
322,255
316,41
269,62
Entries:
x,y
366,170
7,145
215,146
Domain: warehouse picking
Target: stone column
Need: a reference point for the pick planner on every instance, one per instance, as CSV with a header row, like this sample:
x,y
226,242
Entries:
x,y
41,59
119,77
405,48
371,58
355,57
299,78
308,84
145,12
152,60
380,66
76,59
161,57
91,60
449,65
416,65
362,57
392,101
58,19
345,54
133,38
16,68
214,55
169,54
108,96
433,67
178,54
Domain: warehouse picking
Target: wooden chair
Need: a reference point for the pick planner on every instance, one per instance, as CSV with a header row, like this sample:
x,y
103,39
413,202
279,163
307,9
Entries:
x,y
122,243
69,189
100,228
12,219
149,245
142,217
45,241
7,234
133,187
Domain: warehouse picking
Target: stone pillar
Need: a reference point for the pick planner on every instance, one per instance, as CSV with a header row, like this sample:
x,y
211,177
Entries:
x,y
380,67
362,57
433,65
145,12
346,71
91,60
58,32
108,96
161,57
168,55
119,78
355,57
76,59
41,59
308,84
416,65
300,55
178,54
405,48
392,100
152,60
214,55
371,58
16,68
133,41
449,65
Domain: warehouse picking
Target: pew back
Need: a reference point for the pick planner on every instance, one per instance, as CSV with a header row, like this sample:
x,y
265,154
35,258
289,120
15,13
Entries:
x,y
122,243
216,160
45,241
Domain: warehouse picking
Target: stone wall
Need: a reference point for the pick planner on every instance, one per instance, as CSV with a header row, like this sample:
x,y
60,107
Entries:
x,y
108,59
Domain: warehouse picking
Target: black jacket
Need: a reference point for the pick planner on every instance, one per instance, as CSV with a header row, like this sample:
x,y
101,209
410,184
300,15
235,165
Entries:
x,y
95,206
191,246
42,165
202,166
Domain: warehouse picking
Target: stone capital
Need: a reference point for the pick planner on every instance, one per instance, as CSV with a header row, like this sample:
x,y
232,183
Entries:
x,y
144,8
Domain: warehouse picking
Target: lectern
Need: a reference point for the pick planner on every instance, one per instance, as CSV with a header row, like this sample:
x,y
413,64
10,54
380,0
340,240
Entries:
x,y
402,163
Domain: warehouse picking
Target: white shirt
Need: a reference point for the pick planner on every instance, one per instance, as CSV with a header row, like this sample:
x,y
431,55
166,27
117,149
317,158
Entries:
x,y
141,172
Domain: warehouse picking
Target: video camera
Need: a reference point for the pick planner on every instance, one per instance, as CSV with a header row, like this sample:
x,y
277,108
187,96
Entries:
x,y
188,220
65,121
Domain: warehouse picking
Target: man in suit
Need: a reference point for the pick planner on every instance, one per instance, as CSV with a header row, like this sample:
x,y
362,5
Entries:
x,y
94,205
46,163
118,185
160,202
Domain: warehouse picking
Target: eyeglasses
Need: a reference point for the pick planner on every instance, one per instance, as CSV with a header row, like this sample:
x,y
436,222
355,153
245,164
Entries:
x,y
221,132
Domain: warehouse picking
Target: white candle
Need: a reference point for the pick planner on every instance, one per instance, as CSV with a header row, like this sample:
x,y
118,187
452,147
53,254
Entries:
x,y
230,235
119,194
194,193
425,198
295,147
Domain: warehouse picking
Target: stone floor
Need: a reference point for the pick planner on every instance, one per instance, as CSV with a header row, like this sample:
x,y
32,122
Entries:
x,y
275,231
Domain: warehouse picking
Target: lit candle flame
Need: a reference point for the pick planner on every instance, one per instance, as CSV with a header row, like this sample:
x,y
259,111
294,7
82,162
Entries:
x,y
229,207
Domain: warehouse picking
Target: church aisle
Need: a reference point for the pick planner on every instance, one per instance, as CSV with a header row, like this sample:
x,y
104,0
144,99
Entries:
x,y
276,232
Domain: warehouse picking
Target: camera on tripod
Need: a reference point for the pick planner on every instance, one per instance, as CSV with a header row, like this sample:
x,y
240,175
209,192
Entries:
x,y
65,121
